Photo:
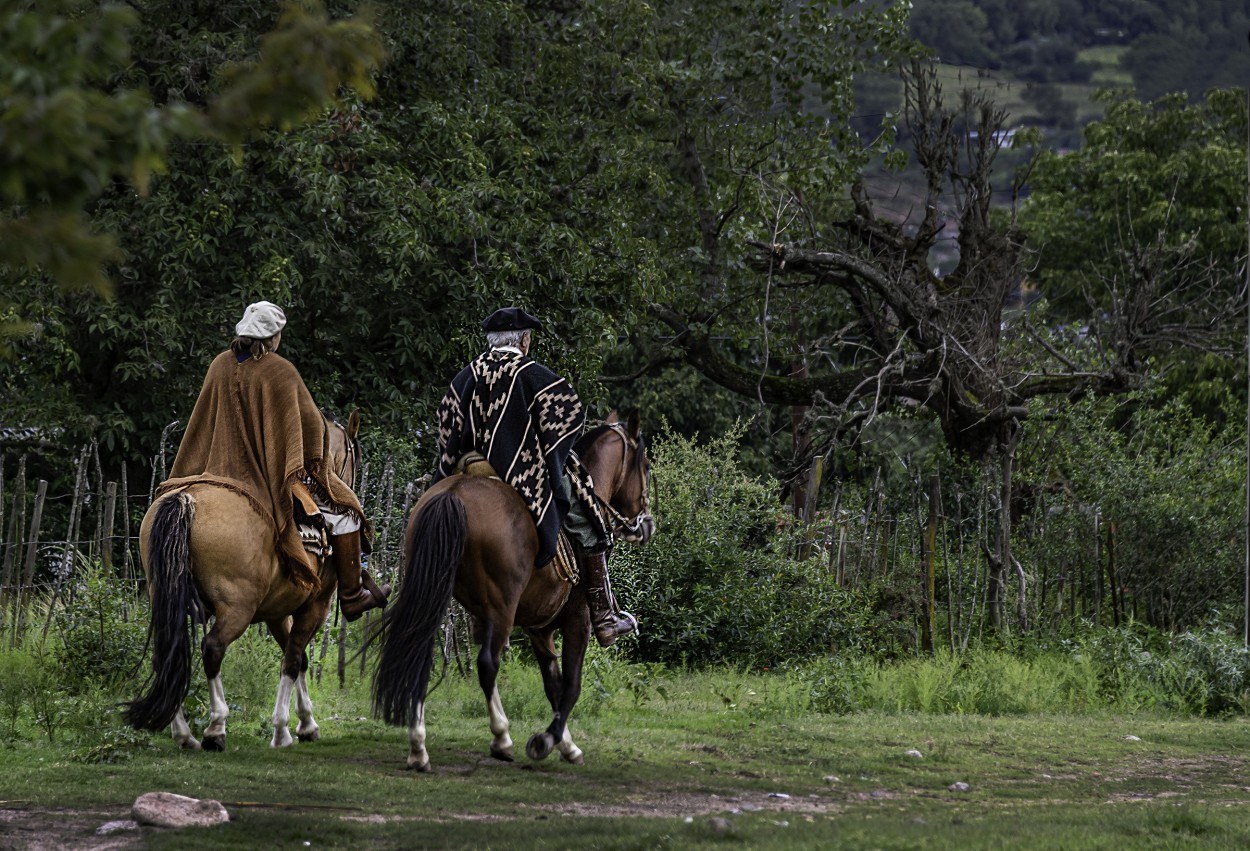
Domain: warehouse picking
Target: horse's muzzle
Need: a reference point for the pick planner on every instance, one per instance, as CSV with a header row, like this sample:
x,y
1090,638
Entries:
x,y
640,531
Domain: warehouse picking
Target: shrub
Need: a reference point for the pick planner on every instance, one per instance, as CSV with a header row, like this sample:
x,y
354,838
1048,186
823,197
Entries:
x,y
719,583
102,628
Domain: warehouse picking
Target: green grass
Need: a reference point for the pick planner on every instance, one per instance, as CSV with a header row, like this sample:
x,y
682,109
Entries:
x,y
673,761
1109,73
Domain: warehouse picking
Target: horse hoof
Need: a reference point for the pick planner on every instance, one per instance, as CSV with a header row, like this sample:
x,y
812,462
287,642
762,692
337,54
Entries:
x,y
190,745
310,736
414,765
216,744
573,759
503,754
539,746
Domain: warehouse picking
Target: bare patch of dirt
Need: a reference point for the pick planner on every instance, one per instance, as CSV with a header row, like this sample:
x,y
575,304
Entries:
x,y
678,804
35,829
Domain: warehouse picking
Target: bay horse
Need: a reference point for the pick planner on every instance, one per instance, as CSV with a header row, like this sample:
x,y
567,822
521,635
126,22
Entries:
x,y
206,551
473,538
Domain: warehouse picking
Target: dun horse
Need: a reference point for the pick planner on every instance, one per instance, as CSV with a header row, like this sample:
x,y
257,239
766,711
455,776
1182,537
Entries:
x,y
472,537
207,552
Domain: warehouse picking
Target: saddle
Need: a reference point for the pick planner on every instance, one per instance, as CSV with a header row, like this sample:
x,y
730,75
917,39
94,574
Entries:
x,y
565,560
475,464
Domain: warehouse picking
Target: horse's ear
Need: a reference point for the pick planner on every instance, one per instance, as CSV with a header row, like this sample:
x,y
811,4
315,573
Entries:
x,y
612,417
635,425
353,424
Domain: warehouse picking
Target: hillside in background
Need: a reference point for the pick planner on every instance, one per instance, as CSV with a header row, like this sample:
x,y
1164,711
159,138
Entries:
x,y
1043,60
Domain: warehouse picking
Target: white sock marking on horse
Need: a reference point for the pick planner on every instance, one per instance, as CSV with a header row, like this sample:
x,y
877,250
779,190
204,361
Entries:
x,y
418,757
498,721
218,709
282,713
181,731
568,750
303,706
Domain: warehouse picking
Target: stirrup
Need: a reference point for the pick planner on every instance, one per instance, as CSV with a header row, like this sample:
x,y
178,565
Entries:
x,y
612,627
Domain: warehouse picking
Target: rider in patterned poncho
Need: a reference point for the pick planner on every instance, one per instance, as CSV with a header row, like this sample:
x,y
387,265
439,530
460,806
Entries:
x,y
524,419
256,430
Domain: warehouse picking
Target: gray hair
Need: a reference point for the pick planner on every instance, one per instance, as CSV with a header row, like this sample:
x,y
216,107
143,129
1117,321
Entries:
x,y
496,339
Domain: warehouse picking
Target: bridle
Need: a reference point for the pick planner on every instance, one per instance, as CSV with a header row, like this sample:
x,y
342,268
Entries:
x,y
622,524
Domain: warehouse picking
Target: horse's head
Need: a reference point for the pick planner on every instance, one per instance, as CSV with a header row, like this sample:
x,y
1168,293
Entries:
x,y
622,473
344,447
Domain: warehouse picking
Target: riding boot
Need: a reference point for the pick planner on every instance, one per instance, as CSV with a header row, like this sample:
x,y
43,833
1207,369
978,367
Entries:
x,y
609,624
357,591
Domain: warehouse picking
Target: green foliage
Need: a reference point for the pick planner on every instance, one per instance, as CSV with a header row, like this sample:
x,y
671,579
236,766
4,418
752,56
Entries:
x,y
102,628
718,582
75,122
1167,175
1169,488
1130,669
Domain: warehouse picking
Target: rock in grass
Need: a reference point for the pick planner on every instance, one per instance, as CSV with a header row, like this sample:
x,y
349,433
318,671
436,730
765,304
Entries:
x,y
915,754
165,809
720,826
110,827
959,786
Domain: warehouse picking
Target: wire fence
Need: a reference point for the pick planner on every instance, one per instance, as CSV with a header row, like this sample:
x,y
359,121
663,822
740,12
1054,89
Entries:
x,y
50,539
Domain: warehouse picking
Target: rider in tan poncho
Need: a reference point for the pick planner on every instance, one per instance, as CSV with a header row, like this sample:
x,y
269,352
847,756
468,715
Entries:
x,y
255,429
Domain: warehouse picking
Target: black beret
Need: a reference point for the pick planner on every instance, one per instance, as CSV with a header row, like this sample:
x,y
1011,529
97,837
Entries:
x,y
510,319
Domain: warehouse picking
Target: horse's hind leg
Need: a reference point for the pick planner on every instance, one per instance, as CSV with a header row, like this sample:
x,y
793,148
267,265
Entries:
x,y
228,626
418,756
488,655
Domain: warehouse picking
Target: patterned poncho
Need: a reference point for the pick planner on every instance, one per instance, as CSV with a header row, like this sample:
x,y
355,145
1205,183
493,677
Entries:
x,y
524,419
256,430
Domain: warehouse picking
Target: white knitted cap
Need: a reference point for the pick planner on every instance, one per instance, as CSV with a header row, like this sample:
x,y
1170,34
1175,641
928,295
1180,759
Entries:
x,y
261,321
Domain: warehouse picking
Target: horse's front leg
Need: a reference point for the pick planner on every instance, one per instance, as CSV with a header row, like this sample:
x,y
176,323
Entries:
x,y
307,731
294,678
540,744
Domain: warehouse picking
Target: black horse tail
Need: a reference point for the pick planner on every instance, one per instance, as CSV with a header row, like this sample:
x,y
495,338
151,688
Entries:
x,y
176,607
410,625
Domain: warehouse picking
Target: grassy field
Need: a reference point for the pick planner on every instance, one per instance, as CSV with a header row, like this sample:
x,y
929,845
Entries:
x,y
712,760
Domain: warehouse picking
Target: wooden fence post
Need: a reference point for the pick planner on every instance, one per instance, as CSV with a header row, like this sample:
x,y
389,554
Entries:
x,y
929,624
12,543
71,540
106,537
128,565
32,548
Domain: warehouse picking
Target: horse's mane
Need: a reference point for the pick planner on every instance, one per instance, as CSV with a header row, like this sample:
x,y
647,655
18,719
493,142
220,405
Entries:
x,y
584,442
588,439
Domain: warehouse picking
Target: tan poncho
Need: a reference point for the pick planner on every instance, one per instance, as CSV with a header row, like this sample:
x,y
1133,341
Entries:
x,y
255,429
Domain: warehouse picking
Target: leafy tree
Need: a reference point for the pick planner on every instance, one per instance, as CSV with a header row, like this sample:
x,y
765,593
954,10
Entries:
x,y
1140,233
70,130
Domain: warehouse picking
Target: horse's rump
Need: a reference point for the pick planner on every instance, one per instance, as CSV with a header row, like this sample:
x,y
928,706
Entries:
x,y
233,552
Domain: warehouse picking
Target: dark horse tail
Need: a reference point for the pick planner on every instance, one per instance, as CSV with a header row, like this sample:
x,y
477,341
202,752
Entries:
x,y
176,606
411,623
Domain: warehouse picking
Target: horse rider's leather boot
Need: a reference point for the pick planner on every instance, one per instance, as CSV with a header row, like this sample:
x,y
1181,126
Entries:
x,y
608,622
357,591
